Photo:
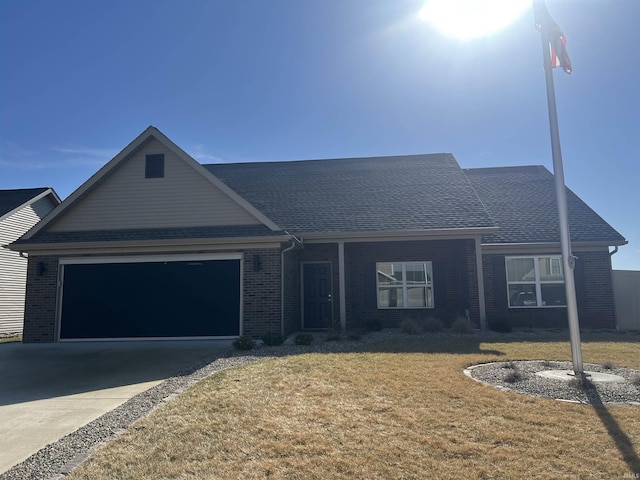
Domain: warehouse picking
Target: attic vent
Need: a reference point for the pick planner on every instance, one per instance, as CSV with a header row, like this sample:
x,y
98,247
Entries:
x,y
154,166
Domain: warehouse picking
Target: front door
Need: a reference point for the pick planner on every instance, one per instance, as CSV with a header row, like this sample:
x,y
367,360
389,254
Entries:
x,y
316,296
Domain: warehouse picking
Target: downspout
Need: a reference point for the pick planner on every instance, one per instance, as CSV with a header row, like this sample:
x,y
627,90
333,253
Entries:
x,y
294,243
615,250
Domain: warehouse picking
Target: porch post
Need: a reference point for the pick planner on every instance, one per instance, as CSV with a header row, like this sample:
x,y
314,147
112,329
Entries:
x,y
480,274
341,285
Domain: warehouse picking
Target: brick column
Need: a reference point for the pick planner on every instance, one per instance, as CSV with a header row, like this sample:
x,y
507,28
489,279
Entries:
x,y
40,301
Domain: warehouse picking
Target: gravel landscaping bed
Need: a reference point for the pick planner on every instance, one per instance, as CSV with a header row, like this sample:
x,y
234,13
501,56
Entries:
x,y
520,377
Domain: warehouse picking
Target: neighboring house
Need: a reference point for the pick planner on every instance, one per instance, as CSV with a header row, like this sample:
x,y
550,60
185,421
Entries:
x,y
19,211
155,245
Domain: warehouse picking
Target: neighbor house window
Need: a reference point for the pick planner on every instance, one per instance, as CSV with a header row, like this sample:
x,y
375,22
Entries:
x,y
154,166
535,282
405,285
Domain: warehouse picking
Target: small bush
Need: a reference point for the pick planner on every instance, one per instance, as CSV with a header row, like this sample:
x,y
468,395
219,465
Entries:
x,y
433,325
273,338
509,366
333,335
461,326
244,343
411,326
635,381
513,376
608,365
500,325
373,325
355,335
303,339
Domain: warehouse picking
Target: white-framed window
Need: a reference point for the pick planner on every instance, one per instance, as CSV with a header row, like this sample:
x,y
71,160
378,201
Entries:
x,y
535,281
405,284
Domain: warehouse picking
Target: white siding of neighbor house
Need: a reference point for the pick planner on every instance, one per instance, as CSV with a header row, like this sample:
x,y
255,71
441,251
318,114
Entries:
x,y
125,199
13,267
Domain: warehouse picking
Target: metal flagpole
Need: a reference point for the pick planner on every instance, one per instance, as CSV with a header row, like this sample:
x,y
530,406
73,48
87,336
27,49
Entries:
x,y
568,260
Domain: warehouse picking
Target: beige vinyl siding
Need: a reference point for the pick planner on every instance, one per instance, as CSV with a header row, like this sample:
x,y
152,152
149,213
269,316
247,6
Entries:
x,y
126,199
13,267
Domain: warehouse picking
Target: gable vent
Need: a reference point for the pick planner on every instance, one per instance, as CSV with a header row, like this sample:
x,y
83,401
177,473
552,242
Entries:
x,y
154,166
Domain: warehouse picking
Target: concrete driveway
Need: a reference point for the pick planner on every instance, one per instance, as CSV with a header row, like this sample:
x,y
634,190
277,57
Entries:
x,y
48,391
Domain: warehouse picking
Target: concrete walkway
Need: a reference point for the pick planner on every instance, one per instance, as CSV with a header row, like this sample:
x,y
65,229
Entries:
x,y
48,391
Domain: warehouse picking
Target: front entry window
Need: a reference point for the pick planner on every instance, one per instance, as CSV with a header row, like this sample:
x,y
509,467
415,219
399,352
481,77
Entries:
x,y
405,285
535,282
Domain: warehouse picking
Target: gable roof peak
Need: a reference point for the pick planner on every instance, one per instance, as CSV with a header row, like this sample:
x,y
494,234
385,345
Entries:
x,y
124,154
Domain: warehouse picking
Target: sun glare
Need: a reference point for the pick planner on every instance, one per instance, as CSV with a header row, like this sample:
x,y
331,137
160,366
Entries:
x,y
472,18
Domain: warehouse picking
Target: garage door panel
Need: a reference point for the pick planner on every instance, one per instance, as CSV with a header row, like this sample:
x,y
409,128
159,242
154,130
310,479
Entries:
x,y
155,299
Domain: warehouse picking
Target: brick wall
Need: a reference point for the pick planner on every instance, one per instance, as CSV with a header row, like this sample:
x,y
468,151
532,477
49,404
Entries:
x,y
40,301
292,292
593,291
261,293
454,272
596,306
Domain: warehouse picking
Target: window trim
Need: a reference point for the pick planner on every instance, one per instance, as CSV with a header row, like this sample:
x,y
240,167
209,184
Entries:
x,y
537,282
428,286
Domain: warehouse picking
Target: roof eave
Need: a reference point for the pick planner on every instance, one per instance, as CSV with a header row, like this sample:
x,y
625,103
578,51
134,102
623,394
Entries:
x,y
70,248
386,235
549,246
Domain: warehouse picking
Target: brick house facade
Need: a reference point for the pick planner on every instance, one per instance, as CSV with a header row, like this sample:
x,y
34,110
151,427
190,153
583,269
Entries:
x,y
278,247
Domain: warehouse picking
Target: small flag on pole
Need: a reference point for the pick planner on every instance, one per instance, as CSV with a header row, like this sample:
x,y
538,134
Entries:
x,y
557,41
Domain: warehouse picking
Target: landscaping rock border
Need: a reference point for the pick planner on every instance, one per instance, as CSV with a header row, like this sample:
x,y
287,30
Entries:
x,y
520,377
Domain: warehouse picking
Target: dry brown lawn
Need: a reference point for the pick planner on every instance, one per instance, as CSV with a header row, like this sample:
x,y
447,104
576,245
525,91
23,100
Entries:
x,y
15,338
398,410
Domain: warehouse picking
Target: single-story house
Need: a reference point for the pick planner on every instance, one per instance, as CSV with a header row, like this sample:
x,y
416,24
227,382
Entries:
x,y
156,245
20,210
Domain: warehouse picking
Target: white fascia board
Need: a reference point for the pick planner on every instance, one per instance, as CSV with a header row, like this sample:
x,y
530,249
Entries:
x,y
141,246
395,235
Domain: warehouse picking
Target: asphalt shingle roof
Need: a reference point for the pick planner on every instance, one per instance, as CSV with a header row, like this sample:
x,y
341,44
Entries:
x,y
413,192
11,199
522,201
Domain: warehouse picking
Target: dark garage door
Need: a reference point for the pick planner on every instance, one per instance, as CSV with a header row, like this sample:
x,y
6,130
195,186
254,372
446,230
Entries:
x,y
151,299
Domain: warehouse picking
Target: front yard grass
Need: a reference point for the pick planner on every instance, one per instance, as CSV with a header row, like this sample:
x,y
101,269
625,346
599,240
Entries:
x,y
396,410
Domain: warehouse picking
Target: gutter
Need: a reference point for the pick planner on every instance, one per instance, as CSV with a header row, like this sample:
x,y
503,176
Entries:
x,y
294,243
68,248
390,235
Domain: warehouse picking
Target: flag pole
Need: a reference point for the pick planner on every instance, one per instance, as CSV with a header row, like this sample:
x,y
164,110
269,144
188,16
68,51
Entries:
x,y
568,260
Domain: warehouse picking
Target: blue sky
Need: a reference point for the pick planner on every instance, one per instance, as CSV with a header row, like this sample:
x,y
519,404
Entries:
x,y
264,80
